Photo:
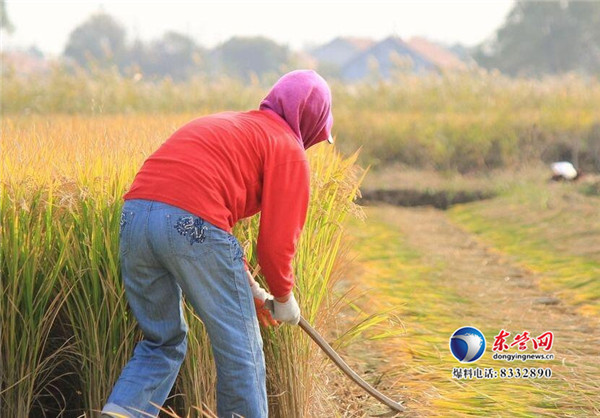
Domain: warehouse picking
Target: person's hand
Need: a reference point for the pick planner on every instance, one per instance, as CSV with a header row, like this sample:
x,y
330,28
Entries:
x,y
286,309
260,297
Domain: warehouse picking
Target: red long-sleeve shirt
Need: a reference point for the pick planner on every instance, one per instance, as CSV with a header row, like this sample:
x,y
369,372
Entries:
x,y
229,166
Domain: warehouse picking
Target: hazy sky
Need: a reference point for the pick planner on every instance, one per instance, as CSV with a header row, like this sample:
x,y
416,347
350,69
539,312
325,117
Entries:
x,y
47,24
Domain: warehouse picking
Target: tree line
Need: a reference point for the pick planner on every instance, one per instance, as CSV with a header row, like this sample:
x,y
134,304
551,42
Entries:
x,y
538,37
101,41
545,37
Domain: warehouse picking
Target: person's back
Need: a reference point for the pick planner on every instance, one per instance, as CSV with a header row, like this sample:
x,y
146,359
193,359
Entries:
x,y
214,166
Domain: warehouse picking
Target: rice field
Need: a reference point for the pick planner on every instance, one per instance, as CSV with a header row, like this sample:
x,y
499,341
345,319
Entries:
x,y
66,327
439,271
552,229
471,122
71,144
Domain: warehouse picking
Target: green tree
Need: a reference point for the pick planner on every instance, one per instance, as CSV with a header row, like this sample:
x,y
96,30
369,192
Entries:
x,y
175,54
100,39
546,37
255,55
5,22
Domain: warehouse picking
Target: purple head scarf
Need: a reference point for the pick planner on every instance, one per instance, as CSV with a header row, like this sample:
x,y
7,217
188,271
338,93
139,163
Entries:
x,y
303,99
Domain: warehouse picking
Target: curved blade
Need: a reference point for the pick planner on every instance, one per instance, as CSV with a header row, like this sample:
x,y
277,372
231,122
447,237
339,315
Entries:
x,y
341,364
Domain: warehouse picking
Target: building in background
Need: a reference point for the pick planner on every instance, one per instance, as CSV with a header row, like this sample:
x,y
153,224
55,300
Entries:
x,y
385,57
355,59
444,59
332,56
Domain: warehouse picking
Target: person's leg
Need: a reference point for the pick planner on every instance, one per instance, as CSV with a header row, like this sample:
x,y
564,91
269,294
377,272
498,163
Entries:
x,y
207,263
155,300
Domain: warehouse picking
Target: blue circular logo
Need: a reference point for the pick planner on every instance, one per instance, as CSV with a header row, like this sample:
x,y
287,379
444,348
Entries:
x,y
467,344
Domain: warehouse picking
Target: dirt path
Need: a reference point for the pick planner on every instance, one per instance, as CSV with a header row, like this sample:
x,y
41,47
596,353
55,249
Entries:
x,y
469,283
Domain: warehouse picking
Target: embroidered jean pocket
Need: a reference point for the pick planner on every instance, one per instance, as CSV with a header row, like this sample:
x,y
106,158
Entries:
x,y
188,235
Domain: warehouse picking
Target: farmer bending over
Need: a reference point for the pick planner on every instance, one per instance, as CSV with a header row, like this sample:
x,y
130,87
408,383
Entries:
x,y
176,238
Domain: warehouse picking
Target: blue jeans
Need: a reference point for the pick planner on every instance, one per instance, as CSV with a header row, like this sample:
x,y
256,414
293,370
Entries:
x,y
165,250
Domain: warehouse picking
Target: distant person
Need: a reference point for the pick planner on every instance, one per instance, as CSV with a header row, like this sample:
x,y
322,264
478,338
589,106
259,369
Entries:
x,y
564,171
176,238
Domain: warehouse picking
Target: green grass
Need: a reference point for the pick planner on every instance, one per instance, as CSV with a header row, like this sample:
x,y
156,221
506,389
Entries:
x,y
431,307
550,229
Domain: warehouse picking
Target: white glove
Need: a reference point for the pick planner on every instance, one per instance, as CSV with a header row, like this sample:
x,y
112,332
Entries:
x,y
257,291
263,313
288,311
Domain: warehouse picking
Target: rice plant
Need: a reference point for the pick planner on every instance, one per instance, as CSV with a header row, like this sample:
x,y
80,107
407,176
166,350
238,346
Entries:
x,y
291,358
103,330
468,122
61,202
196,385
31,260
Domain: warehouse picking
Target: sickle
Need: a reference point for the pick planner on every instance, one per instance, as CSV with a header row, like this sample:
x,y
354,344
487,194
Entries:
x,y
341,364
